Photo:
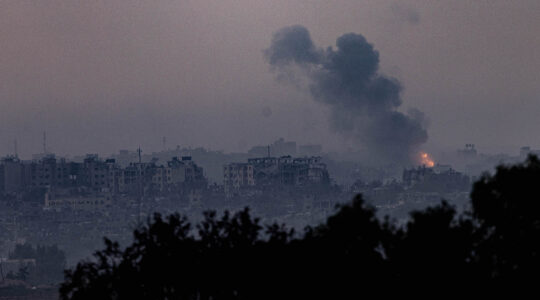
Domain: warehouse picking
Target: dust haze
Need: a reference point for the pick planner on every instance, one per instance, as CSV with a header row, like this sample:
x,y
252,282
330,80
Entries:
x,y
99,76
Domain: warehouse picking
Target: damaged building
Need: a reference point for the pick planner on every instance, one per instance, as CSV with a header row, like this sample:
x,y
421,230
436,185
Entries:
x,y
275,171
440,178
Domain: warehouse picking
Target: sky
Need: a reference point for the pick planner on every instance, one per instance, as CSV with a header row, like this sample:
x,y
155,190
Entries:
x,y
99,76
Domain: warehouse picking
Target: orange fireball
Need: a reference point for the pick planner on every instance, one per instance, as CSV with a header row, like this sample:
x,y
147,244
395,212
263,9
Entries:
x,y
426,160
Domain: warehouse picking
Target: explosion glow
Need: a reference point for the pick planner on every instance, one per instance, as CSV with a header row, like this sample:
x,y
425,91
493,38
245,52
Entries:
x,y
426,160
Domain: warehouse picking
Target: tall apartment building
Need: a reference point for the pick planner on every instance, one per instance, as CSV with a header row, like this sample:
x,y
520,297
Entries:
x,y
50,171
237,175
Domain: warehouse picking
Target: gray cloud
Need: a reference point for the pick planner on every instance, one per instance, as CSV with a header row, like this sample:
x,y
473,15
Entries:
x,y
364,104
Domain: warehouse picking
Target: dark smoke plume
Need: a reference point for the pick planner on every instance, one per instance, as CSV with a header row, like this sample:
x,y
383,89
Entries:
x,y
363,102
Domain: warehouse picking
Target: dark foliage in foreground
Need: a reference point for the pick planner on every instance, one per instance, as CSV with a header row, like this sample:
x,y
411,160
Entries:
x,y
234,257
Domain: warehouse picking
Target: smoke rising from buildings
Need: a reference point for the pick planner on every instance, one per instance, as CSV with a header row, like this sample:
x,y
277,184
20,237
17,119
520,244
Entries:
x,y
101,75
363,103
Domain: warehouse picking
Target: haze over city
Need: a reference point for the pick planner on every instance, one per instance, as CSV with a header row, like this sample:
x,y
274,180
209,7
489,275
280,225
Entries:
x,y
99,76
267,149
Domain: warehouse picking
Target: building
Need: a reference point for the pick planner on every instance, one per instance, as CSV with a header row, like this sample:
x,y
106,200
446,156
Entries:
x,y
440,178
76,201
274,172
237,176
136,177
266,170
185,172
161,178
11,175
302,171
50,171
97,176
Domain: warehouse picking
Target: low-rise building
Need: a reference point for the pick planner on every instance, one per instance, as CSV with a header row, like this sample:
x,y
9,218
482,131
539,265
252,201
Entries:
x,y
273,171
59,200
437,178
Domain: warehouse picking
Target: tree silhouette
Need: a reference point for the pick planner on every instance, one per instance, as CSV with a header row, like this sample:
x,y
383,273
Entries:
x,y
232,257
352,253
434,249
507,208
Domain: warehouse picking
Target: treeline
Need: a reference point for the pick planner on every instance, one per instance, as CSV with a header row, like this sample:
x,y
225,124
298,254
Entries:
x,y
494,244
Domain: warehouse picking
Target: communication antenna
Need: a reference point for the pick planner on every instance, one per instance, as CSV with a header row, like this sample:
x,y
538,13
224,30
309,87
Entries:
x,y
164,143
15,148
268,150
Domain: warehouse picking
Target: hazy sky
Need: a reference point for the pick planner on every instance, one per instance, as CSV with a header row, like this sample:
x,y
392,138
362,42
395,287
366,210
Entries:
x,y
99,76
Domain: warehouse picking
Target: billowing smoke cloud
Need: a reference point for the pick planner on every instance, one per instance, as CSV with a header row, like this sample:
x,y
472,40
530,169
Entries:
x,y
363,103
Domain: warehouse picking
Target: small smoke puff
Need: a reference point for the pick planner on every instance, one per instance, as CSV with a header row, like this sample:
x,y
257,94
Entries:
x,y
266,112
363,103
